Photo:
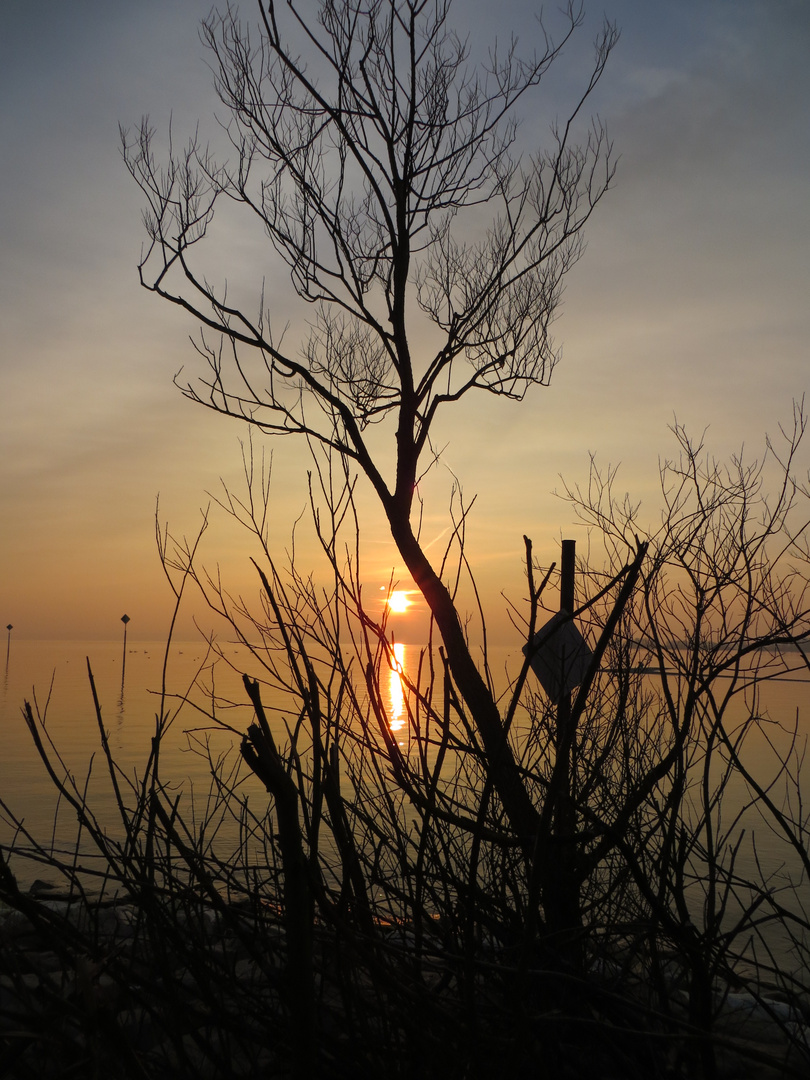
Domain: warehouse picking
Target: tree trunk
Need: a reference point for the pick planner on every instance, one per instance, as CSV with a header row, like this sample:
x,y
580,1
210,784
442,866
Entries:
x,y
522,814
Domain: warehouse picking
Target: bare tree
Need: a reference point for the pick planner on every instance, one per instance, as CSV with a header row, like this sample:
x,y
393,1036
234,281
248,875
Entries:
x,y
520,885
366,158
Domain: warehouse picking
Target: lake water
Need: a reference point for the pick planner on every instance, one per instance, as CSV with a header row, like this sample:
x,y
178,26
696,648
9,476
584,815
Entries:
x,y
54,675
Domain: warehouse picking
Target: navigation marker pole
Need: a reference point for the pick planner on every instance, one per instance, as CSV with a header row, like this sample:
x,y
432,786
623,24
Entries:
x,y
124,620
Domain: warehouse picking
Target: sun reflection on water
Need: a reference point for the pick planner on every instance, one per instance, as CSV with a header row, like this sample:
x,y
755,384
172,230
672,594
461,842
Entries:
x,y
396,690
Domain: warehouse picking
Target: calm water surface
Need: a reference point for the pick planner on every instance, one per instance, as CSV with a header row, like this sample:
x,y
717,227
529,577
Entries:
x,y
53,676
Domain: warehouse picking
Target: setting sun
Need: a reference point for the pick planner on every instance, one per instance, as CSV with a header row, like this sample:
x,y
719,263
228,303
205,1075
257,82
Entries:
x,y
398,602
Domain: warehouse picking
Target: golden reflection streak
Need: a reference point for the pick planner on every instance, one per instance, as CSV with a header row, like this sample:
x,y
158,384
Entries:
x,y
396,691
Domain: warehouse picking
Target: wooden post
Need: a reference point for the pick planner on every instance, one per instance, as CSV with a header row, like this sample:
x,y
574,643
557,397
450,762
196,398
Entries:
x,y
564,822
569,551
567,564
565,890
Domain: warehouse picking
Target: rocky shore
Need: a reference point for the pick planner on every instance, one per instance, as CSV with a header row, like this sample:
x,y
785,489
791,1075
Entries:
x,y
94,990
86,987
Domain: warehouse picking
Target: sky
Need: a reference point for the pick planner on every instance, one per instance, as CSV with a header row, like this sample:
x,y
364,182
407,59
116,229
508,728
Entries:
x,y
691,302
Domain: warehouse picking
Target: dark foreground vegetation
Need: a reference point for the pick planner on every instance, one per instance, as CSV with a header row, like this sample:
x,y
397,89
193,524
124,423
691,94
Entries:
x,y
515,883
379,915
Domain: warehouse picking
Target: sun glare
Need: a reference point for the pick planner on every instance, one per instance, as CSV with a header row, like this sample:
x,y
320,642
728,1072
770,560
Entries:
x,y
398,602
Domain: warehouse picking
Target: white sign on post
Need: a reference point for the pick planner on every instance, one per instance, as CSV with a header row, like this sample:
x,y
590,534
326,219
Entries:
x,y
558,655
